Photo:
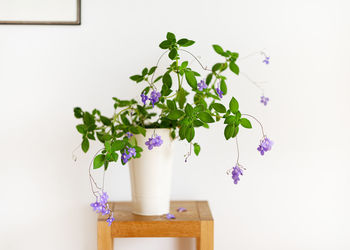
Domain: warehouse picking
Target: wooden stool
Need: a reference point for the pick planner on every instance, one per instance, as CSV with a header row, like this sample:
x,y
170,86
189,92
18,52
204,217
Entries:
x,y
197,222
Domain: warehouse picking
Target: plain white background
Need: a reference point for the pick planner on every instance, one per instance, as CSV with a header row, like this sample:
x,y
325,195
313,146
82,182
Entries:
x,y
295,197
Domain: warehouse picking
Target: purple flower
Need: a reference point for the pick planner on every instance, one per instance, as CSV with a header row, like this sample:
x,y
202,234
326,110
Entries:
x,y
155,141
264,100
144,98
125,157
102,207
266,60
104,198
265,145
219,92
236,172
201,85
110,220
132,152
181,209
170,216
95,205
154,97
128,134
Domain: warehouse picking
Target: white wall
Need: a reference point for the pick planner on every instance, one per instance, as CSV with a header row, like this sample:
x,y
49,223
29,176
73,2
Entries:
x,y
295,197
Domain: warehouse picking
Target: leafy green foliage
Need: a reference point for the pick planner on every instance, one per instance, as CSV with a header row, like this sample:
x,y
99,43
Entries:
x,y
174,109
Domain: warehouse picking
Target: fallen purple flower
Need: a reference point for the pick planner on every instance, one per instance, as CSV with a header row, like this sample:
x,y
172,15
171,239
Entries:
x,y
181,209
170,216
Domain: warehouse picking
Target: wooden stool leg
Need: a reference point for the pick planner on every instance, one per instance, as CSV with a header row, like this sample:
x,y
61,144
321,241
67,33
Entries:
x,y
104,237
206,239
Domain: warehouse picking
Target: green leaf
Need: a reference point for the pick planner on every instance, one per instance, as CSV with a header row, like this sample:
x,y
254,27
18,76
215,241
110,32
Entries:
x,y
184,64
245,123
98,161
190,134
230,119
151,70
219,107
172,54
171,104
191,79
81,129
189,43
165,44
234,105
218,49
175,114
124,119
196,148
182,132
229,130
170,37
197,123
144,71
85,145
142,130
167,80
223,87
235,132
78,113
182,41
118,145
136,78
205,117
216,67
208,79
108,146
105,120
181,97
188,109
234,68
88,119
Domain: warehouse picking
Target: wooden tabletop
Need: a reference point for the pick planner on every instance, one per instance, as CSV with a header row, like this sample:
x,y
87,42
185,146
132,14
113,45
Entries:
x,y
195,211
185,224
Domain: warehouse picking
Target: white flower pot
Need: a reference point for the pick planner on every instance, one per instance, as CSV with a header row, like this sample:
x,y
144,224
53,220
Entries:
x,y
150,175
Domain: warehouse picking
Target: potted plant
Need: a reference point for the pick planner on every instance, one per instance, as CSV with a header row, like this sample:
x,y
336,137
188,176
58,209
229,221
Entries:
x,y
172,106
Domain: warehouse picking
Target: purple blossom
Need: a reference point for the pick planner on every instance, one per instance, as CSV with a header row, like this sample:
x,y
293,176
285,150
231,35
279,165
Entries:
x,y
95,205
170,216
110,220
132,152
128,153
154,97
266,60
181,209
101,206
144,98
219,92
154,141
128,134
202,85
236,172
265,145
125,157
264,100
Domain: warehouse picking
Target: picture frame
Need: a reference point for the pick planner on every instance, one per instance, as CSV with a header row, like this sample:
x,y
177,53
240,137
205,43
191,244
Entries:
x,y
40,12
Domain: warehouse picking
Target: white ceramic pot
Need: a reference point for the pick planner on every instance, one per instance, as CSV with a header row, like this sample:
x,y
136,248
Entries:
x,y
150,175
